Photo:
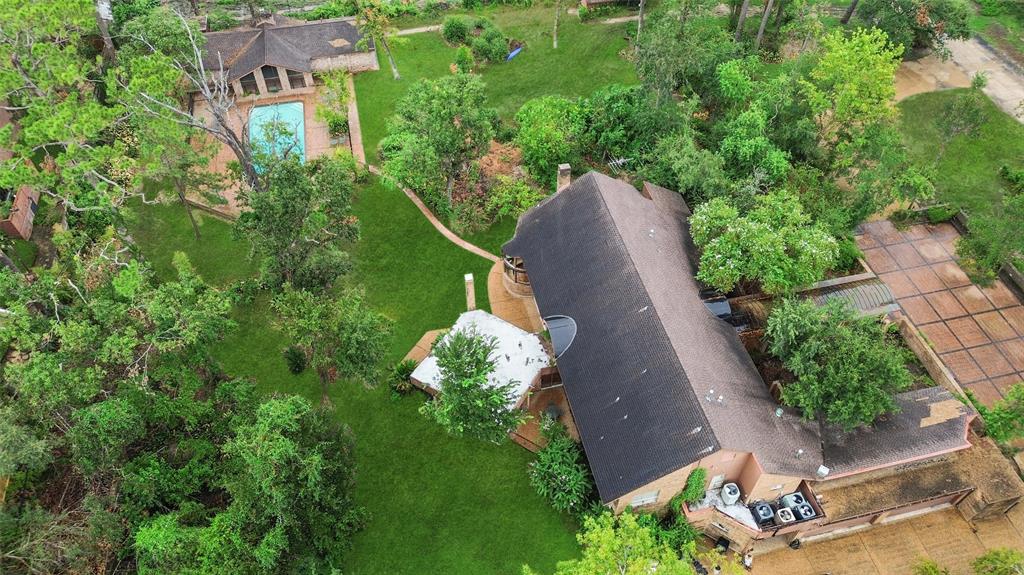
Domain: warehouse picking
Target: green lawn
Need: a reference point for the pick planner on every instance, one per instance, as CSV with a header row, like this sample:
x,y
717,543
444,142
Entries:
x,y
1004,31
587,58
437,504
967,175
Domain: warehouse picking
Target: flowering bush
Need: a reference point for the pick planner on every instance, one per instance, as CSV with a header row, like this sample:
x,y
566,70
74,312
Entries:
x,y
560,474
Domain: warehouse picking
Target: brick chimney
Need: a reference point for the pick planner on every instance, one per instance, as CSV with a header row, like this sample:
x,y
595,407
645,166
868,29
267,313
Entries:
x,y
564,177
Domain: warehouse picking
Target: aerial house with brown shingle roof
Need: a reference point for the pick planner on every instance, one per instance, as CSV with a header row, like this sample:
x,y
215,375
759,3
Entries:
x,y
280,54
658,384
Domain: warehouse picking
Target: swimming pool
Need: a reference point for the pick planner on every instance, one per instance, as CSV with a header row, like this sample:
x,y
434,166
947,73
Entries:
x,y
266,122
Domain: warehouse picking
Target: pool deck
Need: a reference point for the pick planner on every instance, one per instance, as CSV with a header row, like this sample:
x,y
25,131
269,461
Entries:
x,y
317,138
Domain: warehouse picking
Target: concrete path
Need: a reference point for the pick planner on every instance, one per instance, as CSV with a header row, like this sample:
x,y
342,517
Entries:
x,y
355,131
420,30
519,311
452,237
620,20
1005,81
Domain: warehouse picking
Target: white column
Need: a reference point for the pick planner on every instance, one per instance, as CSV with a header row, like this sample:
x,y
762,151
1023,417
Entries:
x,y
260,84
282,75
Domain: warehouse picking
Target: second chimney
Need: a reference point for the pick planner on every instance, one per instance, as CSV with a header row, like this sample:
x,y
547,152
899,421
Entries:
x,y
564,177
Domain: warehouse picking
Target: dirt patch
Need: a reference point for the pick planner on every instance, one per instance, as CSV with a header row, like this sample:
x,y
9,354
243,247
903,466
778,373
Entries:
x,y
501,160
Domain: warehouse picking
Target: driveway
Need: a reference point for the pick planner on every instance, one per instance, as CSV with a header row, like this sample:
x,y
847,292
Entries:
x,y
1005,80
893,548
978,332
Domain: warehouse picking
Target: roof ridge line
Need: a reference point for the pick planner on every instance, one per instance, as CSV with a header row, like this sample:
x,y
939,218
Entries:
x,y
647,292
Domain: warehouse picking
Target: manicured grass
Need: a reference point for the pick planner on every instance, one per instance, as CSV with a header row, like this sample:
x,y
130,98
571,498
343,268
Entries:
x,y
967,175
493,237
437,504
587,58
162,229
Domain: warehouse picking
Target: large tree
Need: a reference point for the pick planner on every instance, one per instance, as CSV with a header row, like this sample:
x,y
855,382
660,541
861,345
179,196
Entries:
x,y
374,23
776,244
683,43
450,119
621,545
341,338
919,24
847,371
175,64
471,402
64,140
299,226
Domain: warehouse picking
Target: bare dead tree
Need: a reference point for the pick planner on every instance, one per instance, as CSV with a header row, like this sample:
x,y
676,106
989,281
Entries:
x,y
213,88
104,20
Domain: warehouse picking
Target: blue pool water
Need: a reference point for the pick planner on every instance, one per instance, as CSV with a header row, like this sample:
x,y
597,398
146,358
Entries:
x,y
264,119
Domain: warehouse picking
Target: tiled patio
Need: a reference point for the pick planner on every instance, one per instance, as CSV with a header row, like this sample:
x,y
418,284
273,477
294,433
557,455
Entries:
x,y
977,332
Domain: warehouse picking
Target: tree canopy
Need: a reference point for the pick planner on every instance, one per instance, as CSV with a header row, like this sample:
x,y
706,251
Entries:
x,y
775,244
847,371
469,403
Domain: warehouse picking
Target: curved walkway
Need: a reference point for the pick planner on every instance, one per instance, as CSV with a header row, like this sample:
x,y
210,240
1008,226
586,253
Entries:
x,y
356,137
455,239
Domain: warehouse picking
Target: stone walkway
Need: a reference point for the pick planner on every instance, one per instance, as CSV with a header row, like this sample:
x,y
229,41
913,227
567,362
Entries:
x,y
892,549
355,130
978,333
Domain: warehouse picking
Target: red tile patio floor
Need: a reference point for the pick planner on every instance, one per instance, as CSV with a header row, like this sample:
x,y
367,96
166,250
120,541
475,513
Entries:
x,y
977,332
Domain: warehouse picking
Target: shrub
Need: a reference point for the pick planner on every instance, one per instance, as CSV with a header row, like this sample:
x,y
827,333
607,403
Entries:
x,y
849,253
551,131
994,239
220,19
401,376
560,473
847,371
331,9
511,197
472,4
696,481
1003,561
929,567
939,214
491,45
464,60
295,358
584,13
1014,178
1004,421
455,29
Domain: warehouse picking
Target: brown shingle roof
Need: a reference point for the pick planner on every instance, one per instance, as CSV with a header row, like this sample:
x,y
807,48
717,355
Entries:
x,y
655,381
290,44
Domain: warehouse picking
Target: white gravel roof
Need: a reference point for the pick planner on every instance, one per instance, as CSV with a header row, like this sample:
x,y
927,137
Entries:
x,y
519,355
